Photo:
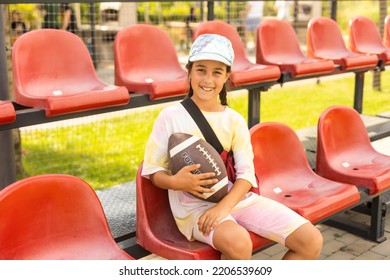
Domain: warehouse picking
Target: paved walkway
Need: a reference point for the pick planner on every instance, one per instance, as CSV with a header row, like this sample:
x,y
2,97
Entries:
x,y
341,245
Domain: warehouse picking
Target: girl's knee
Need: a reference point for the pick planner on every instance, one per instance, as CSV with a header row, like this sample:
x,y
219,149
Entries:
x,y
233,241
306,241
315,242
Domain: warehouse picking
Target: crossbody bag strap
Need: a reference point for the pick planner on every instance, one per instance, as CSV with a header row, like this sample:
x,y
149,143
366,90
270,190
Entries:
x,y
202,123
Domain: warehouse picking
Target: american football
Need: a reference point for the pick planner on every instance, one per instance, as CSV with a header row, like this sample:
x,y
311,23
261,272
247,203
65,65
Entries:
x,y
185,149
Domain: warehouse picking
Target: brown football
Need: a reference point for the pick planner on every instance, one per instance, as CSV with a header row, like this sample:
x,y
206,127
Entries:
x,y
185,149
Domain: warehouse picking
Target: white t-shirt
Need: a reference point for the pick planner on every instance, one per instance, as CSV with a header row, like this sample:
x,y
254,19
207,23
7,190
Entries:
x,y
231,130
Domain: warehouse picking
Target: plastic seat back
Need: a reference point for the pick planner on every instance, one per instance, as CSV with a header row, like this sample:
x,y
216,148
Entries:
x,y
53,70
146,62
285,175
7,112
243,70
284,50
386,33
54,216
325,40
345,153
364,37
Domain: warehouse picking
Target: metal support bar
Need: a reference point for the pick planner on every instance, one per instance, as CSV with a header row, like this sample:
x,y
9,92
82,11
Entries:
x,y
378,214
358,98
29,116
7,157
254,100
210,10
93,34
375,230
333,12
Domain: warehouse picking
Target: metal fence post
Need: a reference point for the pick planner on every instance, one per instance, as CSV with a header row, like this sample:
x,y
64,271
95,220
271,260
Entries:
x,y
210,10
7,157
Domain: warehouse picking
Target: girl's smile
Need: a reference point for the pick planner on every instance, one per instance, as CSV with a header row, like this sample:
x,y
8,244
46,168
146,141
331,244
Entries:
x,y
207,78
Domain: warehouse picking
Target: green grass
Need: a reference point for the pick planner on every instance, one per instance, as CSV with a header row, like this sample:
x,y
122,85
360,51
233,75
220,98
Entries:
x,y
107,152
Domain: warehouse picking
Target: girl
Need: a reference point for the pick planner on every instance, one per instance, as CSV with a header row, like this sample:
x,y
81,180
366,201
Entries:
x,y
223,225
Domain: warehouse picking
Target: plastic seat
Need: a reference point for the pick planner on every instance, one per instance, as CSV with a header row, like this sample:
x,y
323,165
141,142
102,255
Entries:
x,y
53,217
325,40
284,50
157,231
364,37
345,153
7,112
285,175
146,62
244,72
53,70
386,33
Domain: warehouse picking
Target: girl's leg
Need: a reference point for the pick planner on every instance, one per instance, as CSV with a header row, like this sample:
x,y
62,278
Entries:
x,y
305,243
279,223
231,239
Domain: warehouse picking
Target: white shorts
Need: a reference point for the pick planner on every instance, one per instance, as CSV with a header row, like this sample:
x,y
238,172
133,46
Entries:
x,y
265,217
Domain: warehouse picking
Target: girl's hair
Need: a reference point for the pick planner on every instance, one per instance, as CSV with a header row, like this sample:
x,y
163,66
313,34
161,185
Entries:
x,y
222,94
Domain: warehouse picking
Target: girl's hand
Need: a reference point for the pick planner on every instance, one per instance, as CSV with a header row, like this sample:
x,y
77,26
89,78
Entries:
x,y
211,218
215,214
193,183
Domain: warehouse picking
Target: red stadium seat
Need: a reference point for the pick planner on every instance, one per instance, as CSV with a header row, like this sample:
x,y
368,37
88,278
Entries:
x,y
325,40
285,175
146,62
54,217
7,112
277,44
157,231
345,153
53,70
386,33
244,72
364,37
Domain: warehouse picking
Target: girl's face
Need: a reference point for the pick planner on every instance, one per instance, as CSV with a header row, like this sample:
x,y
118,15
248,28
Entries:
x,y
207,78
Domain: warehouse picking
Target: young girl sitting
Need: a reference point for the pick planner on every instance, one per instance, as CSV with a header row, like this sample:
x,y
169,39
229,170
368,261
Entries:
x,y
223,225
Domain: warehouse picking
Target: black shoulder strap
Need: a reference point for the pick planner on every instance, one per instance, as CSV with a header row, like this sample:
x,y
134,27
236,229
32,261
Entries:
x,y
202,123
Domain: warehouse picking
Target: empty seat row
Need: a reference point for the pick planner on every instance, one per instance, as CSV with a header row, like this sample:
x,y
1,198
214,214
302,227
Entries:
x,y
64,80
53,71
364,37
324,40
285,176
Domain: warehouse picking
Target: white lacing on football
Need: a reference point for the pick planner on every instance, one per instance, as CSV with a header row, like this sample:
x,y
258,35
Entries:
x,y
209,158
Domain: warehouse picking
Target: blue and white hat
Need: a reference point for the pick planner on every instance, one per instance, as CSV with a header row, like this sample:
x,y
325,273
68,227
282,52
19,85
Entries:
x,y
212,47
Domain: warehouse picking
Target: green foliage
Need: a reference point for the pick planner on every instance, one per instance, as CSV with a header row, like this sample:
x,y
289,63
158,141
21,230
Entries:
x,y
159,12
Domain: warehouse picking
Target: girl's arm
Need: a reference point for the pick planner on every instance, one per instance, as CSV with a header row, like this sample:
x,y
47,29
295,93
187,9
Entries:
x,y
66,19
